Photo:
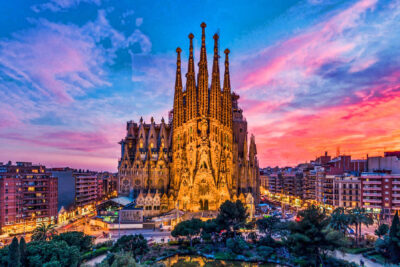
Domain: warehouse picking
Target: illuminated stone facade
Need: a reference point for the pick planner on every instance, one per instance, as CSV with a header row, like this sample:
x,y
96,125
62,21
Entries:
x,y
203,156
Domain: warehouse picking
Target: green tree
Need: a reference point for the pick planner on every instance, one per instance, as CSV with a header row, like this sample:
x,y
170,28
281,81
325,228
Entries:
x,y
339,220
188,229
311,238
120,259
231,216
44,232
4,256
268,225
41,252
14,254
135,244
209,229
237,245
394,239
22,250
382,246
78,239
253,237
382,230
358,217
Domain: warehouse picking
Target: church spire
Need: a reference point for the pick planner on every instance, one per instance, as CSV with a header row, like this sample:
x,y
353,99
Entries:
x,y
227,81
227,98
178,101
215,97
202,80
191,98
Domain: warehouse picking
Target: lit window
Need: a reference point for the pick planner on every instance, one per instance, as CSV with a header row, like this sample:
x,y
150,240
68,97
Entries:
x,y
31,189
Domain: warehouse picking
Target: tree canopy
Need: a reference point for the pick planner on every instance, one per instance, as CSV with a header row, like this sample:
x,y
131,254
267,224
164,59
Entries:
x,y
135,244
188,229
311,237
44,232
232,215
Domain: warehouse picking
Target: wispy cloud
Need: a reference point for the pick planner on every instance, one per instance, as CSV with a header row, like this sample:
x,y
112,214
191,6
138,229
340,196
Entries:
x,y
59,5
333,84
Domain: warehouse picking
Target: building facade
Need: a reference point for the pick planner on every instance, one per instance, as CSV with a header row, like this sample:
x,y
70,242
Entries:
x,y
347,191
204,156
66,187
28,196
88,188
381,193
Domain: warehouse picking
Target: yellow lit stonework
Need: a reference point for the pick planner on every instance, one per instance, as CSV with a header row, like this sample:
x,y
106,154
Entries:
x,y
202,157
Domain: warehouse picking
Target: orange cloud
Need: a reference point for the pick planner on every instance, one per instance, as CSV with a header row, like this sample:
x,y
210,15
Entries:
x,y
366,127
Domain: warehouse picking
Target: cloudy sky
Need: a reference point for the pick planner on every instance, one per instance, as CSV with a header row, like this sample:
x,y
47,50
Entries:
x,y
312,75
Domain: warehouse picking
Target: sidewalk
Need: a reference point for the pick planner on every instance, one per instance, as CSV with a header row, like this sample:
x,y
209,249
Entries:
x,y
356,259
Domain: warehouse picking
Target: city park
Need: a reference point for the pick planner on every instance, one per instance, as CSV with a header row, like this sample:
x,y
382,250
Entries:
x,y
313,238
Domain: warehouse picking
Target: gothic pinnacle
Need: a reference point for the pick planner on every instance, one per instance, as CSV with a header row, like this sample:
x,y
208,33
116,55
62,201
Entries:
x,y
227,83
202,77
178,82
215,96
203,54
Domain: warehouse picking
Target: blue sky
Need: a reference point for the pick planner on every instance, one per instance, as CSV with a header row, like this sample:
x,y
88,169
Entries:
x,y
72,72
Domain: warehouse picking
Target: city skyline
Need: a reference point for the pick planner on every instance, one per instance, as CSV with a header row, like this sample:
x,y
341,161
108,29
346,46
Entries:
x,y
312,75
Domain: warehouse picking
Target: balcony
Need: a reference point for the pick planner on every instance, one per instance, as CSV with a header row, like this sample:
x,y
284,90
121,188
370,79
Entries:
x,y
395,195
367,194
395,182
378,188
396,201
372,206
372,200
372,182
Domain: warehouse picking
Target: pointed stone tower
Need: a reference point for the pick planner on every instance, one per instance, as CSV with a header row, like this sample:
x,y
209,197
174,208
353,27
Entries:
x,y
201,158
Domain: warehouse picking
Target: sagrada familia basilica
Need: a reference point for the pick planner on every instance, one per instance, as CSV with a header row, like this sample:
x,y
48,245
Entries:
x,y
202,156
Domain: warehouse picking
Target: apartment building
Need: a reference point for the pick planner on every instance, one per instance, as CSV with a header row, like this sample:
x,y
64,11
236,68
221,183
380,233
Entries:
x,y
309,183
324,188
87,188
275,183
347,191
110,183
28,196
381,193
66,187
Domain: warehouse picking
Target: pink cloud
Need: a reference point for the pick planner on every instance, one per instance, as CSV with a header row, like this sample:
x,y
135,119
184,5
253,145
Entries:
x,y
358,129
307,52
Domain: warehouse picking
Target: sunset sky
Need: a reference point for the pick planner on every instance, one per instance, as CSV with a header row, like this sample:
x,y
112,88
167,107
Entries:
x,y
312,75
